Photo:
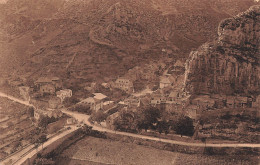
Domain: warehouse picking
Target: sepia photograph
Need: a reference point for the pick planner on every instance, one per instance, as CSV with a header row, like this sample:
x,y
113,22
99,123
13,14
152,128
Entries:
x,y
129,82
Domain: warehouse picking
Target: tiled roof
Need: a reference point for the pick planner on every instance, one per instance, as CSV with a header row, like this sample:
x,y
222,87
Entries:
x,y
99,96
47,79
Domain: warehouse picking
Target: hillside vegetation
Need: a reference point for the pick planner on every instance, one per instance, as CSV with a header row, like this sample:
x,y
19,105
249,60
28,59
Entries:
x,y
109,37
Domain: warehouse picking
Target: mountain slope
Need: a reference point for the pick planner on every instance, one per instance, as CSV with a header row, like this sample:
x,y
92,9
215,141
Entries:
x,y
109,37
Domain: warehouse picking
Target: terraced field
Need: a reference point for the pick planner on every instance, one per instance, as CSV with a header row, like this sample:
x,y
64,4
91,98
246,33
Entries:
x,y
15,125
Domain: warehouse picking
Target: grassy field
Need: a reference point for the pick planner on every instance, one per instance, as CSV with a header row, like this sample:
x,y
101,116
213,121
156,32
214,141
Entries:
x,y
95,151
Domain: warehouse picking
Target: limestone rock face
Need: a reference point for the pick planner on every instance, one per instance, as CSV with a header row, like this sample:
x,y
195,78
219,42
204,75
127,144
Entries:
x,y
230,64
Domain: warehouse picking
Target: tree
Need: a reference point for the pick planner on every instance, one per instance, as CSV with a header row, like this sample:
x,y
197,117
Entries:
x,y
227,116
148,117
86,129
69,101
99,116
184,126
43,122
42,138
125,122
139,85
163,126
204,140
82,108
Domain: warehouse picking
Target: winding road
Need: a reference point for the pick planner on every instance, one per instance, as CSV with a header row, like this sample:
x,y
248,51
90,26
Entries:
x,y
85,119
29,151
15,99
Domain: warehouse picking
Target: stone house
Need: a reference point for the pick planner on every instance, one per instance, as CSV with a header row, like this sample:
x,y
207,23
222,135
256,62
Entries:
x,y
108,104
47,89
71,121
49,80
65,93
56,126
93,103
38,113
174,95
220,101
111,119
56,114
165,82
204,102
54,103
132,102
158,98
48,85
99,96
124,84
96,102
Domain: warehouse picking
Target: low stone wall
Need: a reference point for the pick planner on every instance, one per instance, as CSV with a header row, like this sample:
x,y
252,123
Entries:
x,y
65,142
51,147
185,149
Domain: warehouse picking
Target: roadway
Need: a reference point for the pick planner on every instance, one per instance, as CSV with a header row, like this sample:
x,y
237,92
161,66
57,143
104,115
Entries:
x,y
28,152
85,119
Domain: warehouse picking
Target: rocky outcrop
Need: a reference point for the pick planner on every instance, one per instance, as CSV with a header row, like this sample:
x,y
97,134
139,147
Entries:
x,y
230,64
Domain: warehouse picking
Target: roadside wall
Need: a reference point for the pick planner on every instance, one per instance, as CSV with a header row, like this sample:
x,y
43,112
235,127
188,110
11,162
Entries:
x,y
185,149
50,148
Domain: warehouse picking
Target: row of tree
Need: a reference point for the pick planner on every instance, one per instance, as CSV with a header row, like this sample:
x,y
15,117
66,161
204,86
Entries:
x,y
152,118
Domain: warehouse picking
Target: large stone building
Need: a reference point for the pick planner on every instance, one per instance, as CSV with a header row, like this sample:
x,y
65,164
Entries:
x,y
124,84
48,85
165,82
65,93
38,113
96,102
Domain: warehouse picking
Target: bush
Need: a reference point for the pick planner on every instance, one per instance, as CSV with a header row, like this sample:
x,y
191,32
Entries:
x,y
99,116
208,151
70,101
82,108
184,126
139,85
227,116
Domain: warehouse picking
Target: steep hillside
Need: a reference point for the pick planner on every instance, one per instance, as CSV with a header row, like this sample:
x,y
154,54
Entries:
x,y
108,37
230,64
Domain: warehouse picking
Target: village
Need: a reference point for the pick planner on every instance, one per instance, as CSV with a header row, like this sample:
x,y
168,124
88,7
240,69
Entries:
x,y
157,89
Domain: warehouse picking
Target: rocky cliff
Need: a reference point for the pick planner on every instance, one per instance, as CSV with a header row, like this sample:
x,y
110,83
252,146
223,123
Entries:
x,y
230,64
